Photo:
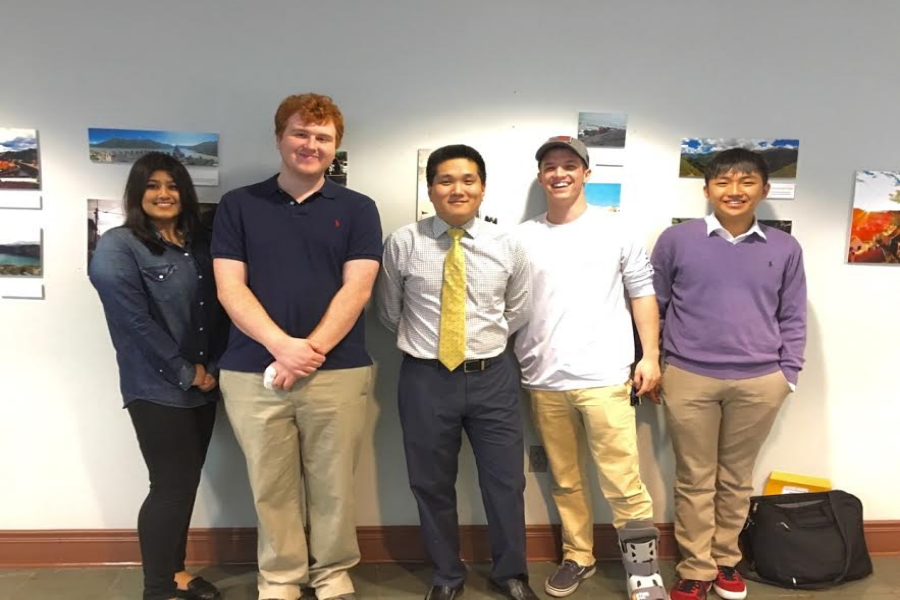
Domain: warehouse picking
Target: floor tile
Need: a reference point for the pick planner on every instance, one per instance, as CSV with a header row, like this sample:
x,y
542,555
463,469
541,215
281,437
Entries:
x,y
71,584
128,585
11,581
404,580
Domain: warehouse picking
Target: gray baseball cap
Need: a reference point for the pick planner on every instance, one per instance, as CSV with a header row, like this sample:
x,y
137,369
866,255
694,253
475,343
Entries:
x,y
564,141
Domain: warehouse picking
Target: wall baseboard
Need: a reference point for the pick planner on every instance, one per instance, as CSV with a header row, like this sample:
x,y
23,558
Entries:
x,y
399,543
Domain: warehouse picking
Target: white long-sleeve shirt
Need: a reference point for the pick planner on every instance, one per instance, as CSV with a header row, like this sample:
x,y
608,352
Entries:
x,y
583,273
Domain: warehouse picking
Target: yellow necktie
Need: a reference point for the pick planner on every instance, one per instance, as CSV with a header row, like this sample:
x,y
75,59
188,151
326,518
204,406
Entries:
x,y
452,346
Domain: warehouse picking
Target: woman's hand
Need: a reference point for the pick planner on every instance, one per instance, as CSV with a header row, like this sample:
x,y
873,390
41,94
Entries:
x,y
209,383
200,377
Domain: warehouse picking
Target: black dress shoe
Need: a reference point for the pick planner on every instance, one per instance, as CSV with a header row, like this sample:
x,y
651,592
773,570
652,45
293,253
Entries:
x,y
444,592
515,589
199,589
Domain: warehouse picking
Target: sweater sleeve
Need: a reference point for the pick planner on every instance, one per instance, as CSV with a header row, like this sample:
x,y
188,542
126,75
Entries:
x,y
663,273
792,316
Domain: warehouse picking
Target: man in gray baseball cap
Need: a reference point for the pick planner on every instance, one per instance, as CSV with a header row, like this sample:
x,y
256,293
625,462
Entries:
x,y
566,142
590,275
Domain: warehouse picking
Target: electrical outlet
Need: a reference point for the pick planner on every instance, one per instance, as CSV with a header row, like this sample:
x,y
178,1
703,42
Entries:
x,y
537,459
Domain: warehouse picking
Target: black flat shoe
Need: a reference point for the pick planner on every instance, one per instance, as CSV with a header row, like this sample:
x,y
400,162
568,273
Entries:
x,y
199,589
444,592
515,589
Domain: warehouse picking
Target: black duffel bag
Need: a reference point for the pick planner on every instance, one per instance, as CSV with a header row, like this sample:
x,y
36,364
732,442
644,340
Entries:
x,y
805,541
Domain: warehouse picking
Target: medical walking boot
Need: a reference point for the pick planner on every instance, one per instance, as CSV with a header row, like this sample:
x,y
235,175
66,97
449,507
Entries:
x,y
639,543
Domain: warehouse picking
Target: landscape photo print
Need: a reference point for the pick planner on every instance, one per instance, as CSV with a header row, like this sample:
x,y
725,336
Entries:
x,y
875,220
199,152
19,161
780,154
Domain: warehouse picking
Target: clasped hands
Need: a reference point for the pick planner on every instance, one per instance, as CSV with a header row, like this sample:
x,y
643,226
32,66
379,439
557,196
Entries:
x,y
295,358
204,380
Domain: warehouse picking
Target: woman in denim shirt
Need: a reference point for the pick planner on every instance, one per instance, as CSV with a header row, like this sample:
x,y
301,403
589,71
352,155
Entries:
x,y
154,276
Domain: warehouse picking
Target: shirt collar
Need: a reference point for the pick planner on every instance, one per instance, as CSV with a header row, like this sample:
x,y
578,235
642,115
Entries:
x,y
328,190
165,242
714,226
439,227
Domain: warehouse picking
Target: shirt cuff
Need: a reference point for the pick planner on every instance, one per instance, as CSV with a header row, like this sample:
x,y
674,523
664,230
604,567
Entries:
x,y
640,290
791,375
186,376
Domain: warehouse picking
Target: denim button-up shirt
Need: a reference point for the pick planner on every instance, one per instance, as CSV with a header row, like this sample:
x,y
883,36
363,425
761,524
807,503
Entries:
x,y
163,316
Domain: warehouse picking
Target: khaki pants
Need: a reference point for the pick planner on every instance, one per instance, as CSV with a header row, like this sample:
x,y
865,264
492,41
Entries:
x,y
605,417
718,427
302,443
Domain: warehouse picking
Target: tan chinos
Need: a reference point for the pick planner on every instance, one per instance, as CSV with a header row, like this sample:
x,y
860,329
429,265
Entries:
x,y
605,417
302,443
718,427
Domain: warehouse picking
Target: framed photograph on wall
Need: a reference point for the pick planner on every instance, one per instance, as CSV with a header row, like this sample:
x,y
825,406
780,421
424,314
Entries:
x,y
875,220
20,168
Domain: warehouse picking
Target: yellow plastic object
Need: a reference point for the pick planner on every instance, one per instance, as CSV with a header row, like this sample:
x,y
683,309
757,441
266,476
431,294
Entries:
x,y
791,483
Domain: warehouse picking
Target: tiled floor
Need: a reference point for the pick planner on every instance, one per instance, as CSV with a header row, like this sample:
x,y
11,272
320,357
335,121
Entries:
x,y
400,582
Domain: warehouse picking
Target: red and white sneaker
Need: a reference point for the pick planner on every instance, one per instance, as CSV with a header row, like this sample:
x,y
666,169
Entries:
x,y
689,589
729,584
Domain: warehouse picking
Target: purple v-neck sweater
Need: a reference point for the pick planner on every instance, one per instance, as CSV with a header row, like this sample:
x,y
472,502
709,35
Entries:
x,y
731,311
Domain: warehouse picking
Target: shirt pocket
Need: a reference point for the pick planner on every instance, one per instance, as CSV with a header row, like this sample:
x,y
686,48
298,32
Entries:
x,y
159,281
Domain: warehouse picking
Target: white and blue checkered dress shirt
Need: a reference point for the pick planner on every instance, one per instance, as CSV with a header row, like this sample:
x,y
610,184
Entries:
x,y
498,286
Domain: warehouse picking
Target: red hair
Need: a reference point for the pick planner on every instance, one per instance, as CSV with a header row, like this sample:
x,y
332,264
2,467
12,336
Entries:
x,y
313,109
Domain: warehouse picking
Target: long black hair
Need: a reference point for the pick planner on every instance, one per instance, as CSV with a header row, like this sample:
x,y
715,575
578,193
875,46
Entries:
x,y
136,219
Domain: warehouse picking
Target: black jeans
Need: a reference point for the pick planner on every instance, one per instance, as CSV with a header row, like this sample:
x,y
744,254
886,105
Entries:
x,y
174,443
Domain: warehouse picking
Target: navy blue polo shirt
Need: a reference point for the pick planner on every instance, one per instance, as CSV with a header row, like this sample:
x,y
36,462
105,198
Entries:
x,y
295,254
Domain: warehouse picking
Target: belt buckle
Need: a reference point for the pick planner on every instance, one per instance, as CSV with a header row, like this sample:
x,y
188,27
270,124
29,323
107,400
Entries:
x,y
479,366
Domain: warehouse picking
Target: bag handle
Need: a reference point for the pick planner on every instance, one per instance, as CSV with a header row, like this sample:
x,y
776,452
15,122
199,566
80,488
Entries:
x,y
839,523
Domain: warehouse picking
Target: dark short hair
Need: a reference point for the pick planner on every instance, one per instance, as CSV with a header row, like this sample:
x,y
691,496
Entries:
x,y
137,220
739,160
446,153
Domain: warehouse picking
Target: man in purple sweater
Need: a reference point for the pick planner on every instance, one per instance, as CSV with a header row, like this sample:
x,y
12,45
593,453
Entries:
x,y
732,301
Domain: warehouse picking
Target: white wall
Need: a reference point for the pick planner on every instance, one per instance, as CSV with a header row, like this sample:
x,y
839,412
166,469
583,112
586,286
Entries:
x,y
501,76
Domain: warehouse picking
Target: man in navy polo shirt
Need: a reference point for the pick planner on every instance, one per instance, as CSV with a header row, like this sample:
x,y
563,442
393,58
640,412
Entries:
x,y
295,258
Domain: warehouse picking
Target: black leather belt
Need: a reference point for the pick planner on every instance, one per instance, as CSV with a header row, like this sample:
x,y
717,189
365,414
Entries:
x,y
469,366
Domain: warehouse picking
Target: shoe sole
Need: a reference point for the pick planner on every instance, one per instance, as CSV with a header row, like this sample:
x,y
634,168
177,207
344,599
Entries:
x,y
726,595
710,587
456,595
558,593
